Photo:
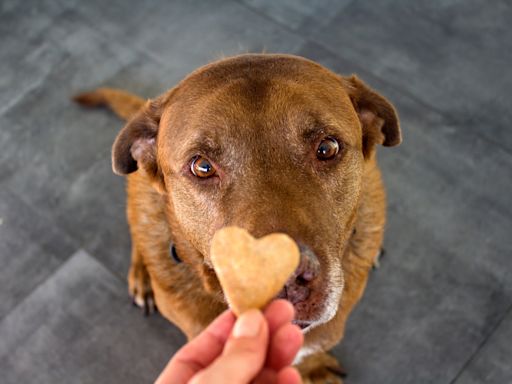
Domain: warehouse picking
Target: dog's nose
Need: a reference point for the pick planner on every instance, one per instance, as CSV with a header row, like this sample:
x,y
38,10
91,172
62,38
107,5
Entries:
x,y
297,288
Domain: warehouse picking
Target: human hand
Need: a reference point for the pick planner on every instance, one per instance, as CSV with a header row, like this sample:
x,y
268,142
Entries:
x,y
256,348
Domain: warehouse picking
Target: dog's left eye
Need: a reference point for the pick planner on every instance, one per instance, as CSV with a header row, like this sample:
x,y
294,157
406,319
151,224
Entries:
x,y
327,149
201,167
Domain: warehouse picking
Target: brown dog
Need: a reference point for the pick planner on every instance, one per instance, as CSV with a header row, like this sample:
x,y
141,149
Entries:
x,y
270,143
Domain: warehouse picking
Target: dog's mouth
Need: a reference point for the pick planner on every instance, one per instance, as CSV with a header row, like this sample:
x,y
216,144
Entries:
x,y
314,290
302,324
309,301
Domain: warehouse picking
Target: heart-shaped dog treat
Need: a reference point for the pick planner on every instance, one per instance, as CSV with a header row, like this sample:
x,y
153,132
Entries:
x,y
252,271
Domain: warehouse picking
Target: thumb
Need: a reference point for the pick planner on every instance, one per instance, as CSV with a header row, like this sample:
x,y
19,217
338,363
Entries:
x,y
244,353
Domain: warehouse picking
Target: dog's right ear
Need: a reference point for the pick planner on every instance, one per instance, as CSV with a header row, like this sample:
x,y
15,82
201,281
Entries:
x,y
135,146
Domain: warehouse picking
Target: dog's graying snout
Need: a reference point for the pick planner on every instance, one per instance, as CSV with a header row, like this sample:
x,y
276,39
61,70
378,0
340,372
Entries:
x,y
297,288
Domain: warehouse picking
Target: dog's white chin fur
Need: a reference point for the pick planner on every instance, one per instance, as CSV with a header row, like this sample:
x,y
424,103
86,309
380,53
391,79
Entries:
x,y
336,283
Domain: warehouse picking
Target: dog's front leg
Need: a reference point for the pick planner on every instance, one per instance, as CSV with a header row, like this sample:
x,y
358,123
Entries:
x,y
139,284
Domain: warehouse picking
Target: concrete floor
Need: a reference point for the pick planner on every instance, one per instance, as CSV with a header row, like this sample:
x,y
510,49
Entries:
x,y
439,308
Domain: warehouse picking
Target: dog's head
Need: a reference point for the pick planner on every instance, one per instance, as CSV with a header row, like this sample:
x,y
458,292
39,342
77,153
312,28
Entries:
x,y
270,143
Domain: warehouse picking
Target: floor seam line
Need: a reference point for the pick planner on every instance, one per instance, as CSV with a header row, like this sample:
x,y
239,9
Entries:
x,y
481,345
36,287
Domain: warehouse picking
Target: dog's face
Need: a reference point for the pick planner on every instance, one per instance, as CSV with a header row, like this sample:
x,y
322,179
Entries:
x,y
270,144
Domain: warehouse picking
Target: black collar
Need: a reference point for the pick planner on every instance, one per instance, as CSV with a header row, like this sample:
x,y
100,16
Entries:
x,y
174,254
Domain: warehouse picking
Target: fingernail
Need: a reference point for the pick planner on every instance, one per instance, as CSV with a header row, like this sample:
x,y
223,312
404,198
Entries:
x,y
248,324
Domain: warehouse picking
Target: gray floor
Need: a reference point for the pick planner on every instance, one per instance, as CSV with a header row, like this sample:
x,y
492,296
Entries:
x,y
439,308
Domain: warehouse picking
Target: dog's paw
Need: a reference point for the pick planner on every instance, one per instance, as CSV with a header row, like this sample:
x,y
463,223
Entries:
x,y
139,287
321,368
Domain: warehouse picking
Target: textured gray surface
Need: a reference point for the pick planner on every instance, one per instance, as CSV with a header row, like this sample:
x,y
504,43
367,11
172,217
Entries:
x,y
78,327
439,308
30,250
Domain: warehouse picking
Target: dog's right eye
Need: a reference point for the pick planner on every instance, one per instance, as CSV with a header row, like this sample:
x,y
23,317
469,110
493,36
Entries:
x,y
201,167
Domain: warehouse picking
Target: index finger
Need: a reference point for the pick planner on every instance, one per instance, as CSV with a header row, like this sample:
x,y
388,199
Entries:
x,y
278,313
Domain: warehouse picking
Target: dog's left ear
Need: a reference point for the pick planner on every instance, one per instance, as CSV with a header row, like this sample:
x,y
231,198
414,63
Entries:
x,y
378,117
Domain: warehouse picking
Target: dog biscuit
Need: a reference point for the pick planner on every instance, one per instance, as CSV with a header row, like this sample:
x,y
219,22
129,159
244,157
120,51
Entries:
x,y
252,271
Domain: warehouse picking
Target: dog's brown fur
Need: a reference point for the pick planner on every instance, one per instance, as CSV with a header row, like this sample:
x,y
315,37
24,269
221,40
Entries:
x,y
253,105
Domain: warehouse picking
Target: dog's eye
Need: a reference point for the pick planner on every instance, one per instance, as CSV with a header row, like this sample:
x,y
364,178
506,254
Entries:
x,y
328,149
201,167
